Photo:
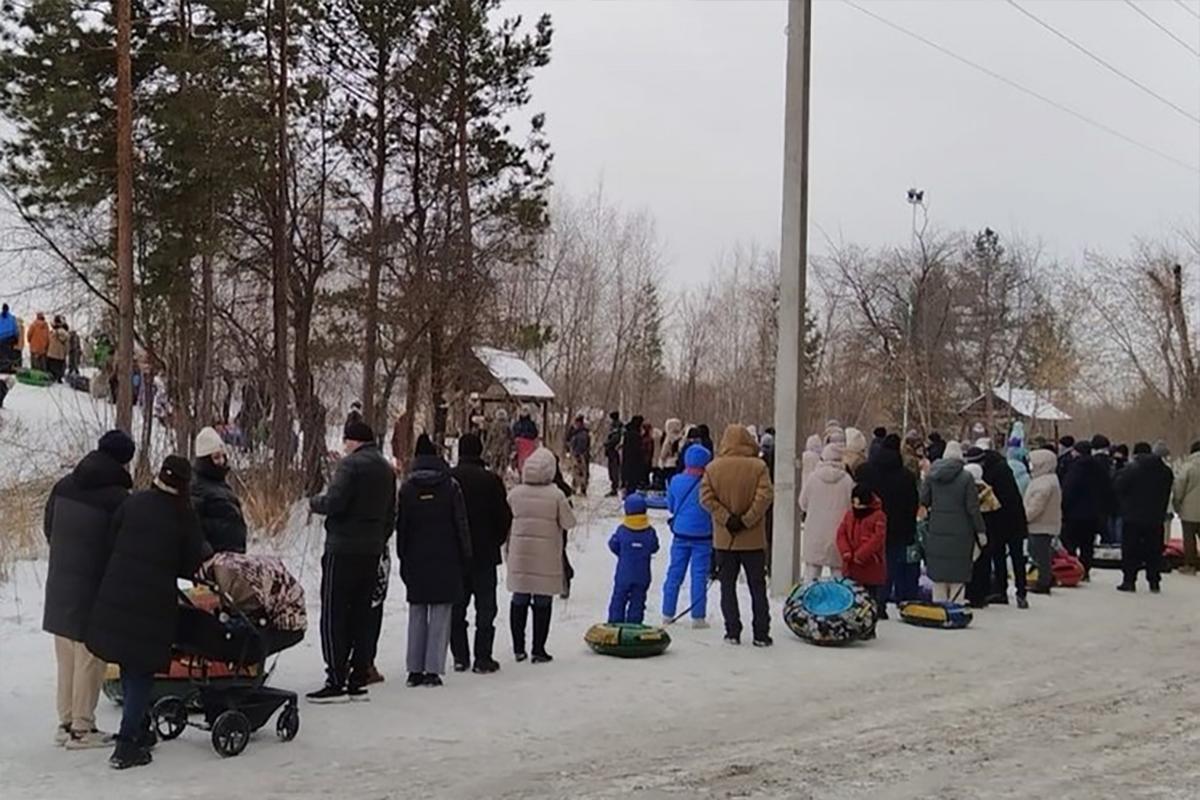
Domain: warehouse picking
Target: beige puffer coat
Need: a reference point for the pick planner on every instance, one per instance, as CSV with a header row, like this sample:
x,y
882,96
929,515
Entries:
x,y
737,482
1043,495
825,498
540,514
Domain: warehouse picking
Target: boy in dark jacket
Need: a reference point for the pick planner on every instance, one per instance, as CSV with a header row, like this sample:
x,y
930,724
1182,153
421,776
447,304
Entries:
x,y
862,541
634,544
1144,491
78,517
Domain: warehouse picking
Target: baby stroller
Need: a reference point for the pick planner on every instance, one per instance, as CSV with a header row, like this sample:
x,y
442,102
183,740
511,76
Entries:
x,y
259,612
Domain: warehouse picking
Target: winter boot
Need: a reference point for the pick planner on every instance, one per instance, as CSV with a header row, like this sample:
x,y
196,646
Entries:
x,y
518,615
89,740
541,632
415,679
129,754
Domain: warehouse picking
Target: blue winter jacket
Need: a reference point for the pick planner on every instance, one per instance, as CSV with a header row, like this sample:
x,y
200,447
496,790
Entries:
x,y
690,520
8,327
634,543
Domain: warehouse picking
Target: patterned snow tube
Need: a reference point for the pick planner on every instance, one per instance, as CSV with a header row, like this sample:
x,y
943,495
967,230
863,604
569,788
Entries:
x,y
933,614
830,612
1068,570
626,640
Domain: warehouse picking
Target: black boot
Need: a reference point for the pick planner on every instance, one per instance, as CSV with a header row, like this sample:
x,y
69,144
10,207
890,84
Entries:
x,y
541,631
129,754
518,615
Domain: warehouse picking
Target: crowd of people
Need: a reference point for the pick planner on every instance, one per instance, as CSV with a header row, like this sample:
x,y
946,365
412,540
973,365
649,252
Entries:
x,y
54,348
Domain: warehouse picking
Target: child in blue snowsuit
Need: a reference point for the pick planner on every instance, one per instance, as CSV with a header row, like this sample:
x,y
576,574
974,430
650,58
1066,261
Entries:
x,y
634,543
692,527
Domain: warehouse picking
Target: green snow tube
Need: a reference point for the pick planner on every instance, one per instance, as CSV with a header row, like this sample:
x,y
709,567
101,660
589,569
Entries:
x,y
625,640
34,377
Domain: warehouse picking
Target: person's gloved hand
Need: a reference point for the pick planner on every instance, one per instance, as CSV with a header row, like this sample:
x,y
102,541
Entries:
x,y
735,524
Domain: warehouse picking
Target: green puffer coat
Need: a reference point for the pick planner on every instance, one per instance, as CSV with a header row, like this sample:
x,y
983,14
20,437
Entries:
x,y
954,522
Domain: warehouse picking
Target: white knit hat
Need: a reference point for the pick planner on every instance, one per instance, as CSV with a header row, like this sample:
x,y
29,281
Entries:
x,y
953,451
208,442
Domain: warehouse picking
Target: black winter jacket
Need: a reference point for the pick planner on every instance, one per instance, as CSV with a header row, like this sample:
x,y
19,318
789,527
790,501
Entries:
x,y
1087,491
896,488
1144,491
635,472
488,514
359,505
1007,523
155,540
433,539
218,508
78,518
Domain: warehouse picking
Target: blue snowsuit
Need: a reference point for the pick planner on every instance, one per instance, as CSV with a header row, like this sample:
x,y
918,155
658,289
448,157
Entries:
x,y
634,543
692,529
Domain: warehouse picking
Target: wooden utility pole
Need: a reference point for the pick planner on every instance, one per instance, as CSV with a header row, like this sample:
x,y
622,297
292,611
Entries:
x,y
124,398
281,420
793,261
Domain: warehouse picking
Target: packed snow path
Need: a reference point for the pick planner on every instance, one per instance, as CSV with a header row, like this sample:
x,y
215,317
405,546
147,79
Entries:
x,y
1089,694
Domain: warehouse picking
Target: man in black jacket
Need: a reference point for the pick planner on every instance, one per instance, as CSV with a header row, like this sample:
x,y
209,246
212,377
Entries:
x,y
1144,492
1087,502
1007,529
216,505
78,516
634,470
886,476
360,510
612,452
490,520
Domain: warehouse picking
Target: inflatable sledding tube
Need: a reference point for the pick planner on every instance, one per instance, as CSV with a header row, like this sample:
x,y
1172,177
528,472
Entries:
x,y
1107,556
830,612
625,640
656,500
932,614
34,377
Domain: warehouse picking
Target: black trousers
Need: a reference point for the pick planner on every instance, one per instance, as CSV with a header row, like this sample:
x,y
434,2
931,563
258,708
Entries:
x,y
754,563
1141,546
348,623
1079,537
614,472
1002,553
480,584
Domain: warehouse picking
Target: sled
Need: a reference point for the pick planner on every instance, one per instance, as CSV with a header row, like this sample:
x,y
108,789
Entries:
x,y
1067,570
626,640
34,377
1107,556
932,614
656,500
79,383
830,612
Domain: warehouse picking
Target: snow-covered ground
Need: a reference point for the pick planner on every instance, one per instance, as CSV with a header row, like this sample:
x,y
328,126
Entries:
x,y
1089,694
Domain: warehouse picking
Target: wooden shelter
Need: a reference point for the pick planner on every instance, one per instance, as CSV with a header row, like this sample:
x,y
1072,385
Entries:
x,y
1011,403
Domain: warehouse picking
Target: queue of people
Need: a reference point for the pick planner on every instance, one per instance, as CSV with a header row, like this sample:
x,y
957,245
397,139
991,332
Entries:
x,y
54,348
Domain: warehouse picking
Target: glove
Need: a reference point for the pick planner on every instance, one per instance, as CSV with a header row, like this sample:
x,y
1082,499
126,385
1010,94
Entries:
x,y
735,524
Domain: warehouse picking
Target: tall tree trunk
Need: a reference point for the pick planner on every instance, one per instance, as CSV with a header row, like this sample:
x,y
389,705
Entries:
x,y
375,256
125,307
280,421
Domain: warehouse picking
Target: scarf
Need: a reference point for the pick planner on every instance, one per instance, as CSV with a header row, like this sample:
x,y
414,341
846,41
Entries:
x,y
636,522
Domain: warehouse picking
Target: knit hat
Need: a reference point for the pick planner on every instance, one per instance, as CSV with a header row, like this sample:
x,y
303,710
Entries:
x,y
832,454
469,446
208,442
425,446
635,504
1100,442
880,432
1161,450
953,451
1142,449
358,431
892,442
974,454
976,472
117,445
174,475
1084,448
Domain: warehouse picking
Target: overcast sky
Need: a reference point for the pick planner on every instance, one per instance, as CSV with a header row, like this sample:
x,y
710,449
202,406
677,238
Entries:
x,y
678,107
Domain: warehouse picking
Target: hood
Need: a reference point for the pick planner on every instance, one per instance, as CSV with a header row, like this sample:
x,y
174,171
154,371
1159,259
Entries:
x,y
674,428
98,470
696,457
428,470
855,441
208,469
813,445
873,505
737,441
1042,463
831,472
539,468
946,470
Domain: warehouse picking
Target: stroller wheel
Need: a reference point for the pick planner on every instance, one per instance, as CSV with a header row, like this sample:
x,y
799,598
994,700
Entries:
x,y
170,718
231,733
288,724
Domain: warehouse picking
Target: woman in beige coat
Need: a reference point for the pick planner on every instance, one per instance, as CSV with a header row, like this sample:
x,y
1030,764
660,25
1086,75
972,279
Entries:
x,y
535,555
824,498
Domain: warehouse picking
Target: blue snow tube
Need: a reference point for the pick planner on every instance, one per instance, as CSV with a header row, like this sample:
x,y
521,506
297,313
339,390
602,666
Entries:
x,y
830,612
656,500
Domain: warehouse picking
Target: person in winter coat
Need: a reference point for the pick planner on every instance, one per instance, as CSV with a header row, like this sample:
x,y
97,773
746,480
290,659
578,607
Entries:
x,y
1006,531
433,543
736,490
612,452
525,427
77,521
1144,494
862,542
10,337
402,444
359,507
56,350
499,443
877,437
1016,462
691,540
579,446
634,466
535,564
855,452
955,524
490,520
1186,502
216,505
1087,503
155,539
355,415
889,478
1066,455
912,452
38,337
672,447
824,499
1043,514
936,449
634,544
74,353
811,457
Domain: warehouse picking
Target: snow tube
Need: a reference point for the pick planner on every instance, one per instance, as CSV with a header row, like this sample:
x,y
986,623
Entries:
x,y
1107,556
931,614
1068,570
1172,557
830,612
79,383
656,500
626,640
34,377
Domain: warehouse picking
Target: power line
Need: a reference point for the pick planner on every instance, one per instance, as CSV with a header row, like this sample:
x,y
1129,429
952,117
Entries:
x,y
1188,8
1024,89
1162,27
1102,62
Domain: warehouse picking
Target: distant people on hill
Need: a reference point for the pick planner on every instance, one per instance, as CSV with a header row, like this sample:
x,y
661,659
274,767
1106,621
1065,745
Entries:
x,y
612,452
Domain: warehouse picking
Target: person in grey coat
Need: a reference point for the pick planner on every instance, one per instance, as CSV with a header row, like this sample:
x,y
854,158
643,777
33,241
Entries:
x,y
955,524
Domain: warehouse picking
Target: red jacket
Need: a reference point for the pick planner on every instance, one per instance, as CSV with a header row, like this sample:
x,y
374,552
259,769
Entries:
x,y
862,541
